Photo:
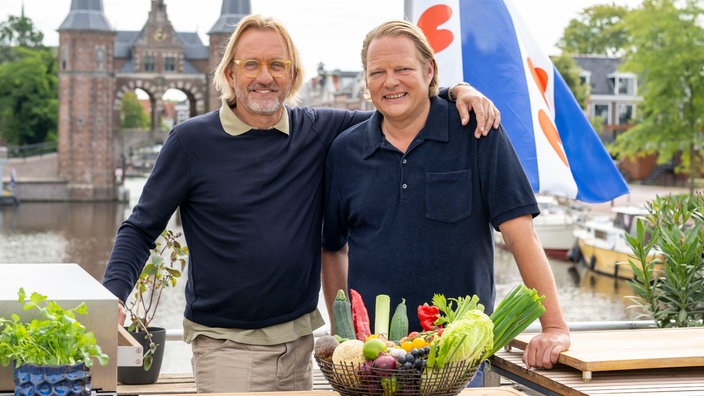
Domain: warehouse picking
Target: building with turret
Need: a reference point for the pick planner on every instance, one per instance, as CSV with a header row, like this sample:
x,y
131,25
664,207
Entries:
x,y
98,65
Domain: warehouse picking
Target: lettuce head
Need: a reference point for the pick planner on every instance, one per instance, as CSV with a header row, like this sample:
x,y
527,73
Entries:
x,y
465,339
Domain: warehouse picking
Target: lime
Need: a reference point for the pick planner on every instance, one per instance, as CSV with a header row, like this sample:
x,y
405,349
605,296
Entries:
x,y
372,348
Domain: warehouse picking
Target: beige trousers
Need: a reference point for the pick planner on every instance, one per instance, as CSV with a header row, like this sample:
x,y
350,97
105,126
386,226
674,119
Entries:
x,y
221,366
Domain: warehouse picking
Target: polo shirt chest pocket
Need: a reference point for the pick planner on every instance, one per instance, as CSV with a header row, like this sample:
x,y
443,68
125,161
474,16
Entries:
x,y
448,195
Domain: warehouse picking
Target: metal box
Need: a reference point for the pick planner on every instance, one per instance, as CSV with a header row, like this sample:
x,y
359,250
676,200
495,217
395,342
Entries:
x,y
68,285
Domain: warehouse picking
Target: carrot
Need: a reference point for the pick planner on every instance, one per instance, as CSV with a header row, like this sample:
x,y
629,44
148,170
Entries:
x,y
360,317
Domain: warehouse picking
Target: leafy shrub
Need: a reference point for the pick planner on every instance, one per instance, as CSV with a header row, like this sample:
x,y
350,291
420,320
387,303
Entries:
x,y
674,230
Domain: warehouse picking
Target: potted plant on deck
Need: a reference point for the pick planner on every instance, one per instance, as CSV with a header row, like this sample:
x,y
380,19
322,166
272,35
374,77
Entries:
x,y
164,268
52,350
671,296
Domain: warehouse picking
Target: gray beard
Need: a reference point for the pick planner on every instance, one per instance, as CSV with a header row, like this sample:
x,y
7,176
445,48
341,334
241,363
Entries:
x,y
268,107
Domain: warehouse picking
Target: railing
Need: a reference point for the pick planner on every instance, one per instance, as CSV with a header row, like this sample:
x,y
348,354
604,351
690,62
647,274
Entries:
x,y
28,150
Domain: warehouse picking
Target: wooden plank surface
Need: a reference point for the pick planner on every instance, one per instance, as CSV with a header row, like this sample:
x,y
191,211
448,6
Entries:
x,y
465,392
185,384
565,380
630,349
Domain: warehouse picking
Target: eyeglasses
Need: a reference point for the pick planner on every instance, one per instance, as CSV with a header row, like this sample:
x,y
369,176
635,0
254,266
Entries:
x,y
252,67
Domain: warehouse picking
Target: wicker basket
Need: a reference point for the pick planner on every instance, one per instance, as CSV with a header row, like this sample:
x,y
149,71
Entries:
x,y
350,380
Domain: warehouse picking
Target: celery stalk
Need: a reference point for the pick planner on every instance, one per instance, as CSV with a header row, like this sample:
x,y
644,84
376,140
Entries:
x,y
381,315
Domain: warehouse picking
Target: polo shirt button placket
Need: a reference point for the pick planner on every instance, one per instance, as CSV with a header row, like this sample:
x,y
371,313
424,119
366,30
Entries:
x,y
404,186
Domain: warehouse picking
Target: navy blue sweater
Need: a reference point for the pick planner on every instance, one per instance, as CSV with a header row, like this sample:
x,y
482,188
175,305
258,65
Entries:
x,y
251,208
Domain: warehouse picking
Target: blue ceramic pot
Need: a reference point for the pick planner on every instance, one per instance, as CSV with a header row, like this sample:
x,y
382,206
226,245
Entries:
x,y
52,380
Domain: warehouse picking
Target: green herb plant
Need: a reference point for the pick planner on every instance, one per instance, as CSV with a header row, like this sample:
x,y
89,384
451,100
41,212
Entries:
x,y
57,338
157,275
669,272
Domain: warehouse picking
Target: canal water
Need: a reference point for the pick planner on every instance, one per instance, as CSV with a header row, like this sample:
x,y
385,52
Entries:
x,y
83,233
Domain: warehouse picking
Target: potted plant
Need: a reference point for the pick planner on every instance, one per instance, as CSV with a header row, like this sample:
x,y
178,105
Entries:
x,y
54,349
671,296
164,268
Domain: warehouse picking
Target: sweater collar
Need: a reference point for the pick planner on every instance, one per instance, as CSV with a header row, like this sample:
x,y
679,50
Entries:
x,y
235,127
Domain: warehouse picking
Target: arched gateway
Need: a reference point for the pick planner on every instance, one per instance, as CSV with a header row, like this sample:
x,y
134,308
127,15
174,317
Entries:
x,y
98,64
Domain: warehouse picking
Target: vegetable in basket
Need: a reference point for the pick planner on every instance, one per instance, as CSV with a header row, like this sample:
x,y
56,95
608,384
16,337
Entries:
x,y
521,307
428,314
465,339
342,316
399,322
360,316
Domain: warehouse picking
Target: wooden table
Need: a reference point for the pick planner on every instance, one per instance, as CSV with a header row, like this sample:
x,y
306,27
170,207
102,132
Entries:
x,y
565,380
466,392
610,350
183,385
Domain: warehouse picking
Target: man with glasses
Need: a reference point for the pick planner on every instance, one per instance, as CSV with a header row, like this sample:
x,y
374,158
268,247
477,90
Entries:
x,y
248,181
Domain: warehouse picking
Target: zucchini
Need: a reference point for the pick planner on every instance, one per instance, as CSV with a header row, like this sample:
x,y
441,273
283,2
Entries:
x,y
342,316
399,322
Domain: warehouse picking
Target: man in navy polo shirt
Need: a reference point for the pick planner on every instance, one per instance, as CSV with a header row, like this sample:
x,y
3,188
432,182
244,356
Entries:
x,y
411,197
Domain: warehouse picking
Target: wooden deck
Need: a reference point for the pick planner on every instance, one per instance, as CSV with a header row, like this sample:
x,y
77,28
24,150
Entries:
x,y
185,384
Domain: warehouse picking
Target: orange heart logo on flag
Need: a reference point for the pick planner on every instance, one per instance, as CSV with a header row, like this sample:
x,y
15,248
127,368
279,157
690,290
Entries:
x,y
429,23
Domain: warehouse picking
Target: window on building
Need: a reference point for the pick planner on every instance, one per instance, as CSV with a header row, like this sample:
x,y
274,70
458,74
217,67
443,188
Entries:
x,y
149,63
169,64
64,56
626,86
602,111
99,58
585,78
625,113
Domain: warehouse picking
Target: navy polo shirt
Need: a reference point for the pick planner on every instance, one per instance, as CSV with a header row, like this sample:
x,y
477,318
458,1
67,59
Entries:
x,y
420,222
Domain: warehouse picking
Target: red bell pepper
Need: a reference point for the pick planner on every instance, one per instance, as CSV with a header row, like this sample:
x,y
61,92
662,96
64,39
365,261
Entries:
x,y
428,314
360,317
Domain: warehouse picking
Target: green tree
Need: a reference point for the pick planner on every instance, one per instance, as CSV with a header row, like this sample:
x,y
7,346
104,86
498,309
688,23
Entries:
x,y
571,73
667,53
597,31
132,114
18,32
28,97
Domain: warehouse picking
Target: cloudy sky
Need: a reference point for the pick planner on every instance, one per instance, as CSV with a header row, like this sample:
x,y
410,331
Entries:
x,y
330,31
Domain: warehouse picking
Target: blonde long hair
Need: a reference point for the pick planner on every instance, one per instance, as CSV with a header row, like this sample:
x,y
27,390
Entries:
x,y
227,92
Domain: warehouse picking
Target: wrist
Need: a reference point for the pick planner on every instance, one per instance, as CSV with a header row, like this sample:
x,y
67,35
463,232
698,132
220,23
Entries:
x,y
451,95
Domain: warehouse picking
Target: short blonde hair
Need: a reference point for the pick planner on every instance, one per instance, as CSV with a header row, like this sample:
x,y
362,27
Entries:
x,y
227,92
398,28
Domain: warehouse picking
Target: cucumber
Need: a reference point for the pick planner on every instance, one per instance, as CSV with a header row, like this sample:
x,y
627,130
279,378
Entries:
x,y
399,322
342,317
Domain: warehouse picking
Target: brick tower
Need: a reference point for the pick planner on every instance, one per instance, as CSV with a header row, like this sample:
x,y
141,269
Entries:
x,y
86,89
98,65
231,13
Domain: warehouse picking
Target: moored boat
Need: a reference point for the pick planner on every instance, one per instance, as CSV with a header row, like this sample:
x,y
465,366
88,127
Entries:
x,y
601,244
555,225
